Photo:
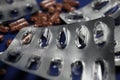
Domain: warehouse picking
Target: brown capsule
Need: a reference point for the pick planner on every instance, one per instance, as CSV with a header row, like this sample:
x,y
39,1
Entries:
x,y
44,18
27,38
54,17
4,29
73,3
59,7
16,26
68,7
49,23
8,42
39,17
58,21
2,71
33,18
17,22
1,38
46,3
51,9
38,24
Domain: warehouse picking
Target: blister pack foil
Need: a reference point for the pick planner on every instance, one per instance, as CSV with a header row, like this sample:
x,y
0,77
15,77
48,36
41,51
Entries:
x,y
78,51
94,10
14,9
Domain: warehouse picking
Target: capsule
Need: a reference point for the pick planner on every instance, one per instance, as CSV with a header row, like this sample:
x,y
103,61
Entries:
x,y
46,3
17,25
17,22
1,38
27,37
9,41
73,3
33,62
59,7
51,9
4,29
55,67
68,7
54,17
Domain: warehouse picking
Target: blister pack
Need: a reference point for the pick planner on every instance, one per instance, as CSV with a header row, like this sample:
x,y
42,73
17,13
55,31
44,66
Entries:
x,y
14,9
84,14
96,9
99,8
78,51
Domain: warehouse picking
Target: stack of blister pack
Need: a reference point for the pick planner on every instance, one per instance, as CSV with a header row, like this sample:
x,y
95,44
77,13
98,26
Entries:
x,y
81,50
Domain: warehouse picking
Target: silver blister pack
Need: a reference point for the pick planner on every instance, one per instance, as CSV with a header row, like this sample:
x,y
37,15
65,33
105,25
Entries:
x,y
96,9
14,9
107,8
65,52
87,13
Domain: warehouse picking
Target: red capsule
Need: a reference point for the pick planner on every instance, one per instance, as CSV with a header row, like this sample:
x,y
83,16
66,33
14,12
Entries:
x,y
1,38
8,42
4,29
68,7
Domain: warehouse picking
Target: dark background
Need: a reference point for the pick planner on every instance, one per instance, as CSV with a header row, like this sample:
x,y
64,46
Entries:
x,y
15,74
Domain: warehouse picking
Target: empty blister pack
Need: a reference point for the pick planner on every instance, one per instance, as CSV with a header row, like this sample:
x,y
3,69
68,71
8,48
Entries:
x,y
96,9
14,9
84,14
78,51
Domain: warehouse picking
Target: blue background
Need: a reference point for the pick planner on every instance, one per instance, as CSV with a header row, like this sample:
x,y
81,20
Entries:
x,y
15,74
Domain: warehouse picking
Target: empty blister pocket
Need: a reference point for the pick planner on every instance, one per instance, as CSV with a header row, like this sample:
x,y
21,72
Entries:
x,y
99,4
67,52
33,62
